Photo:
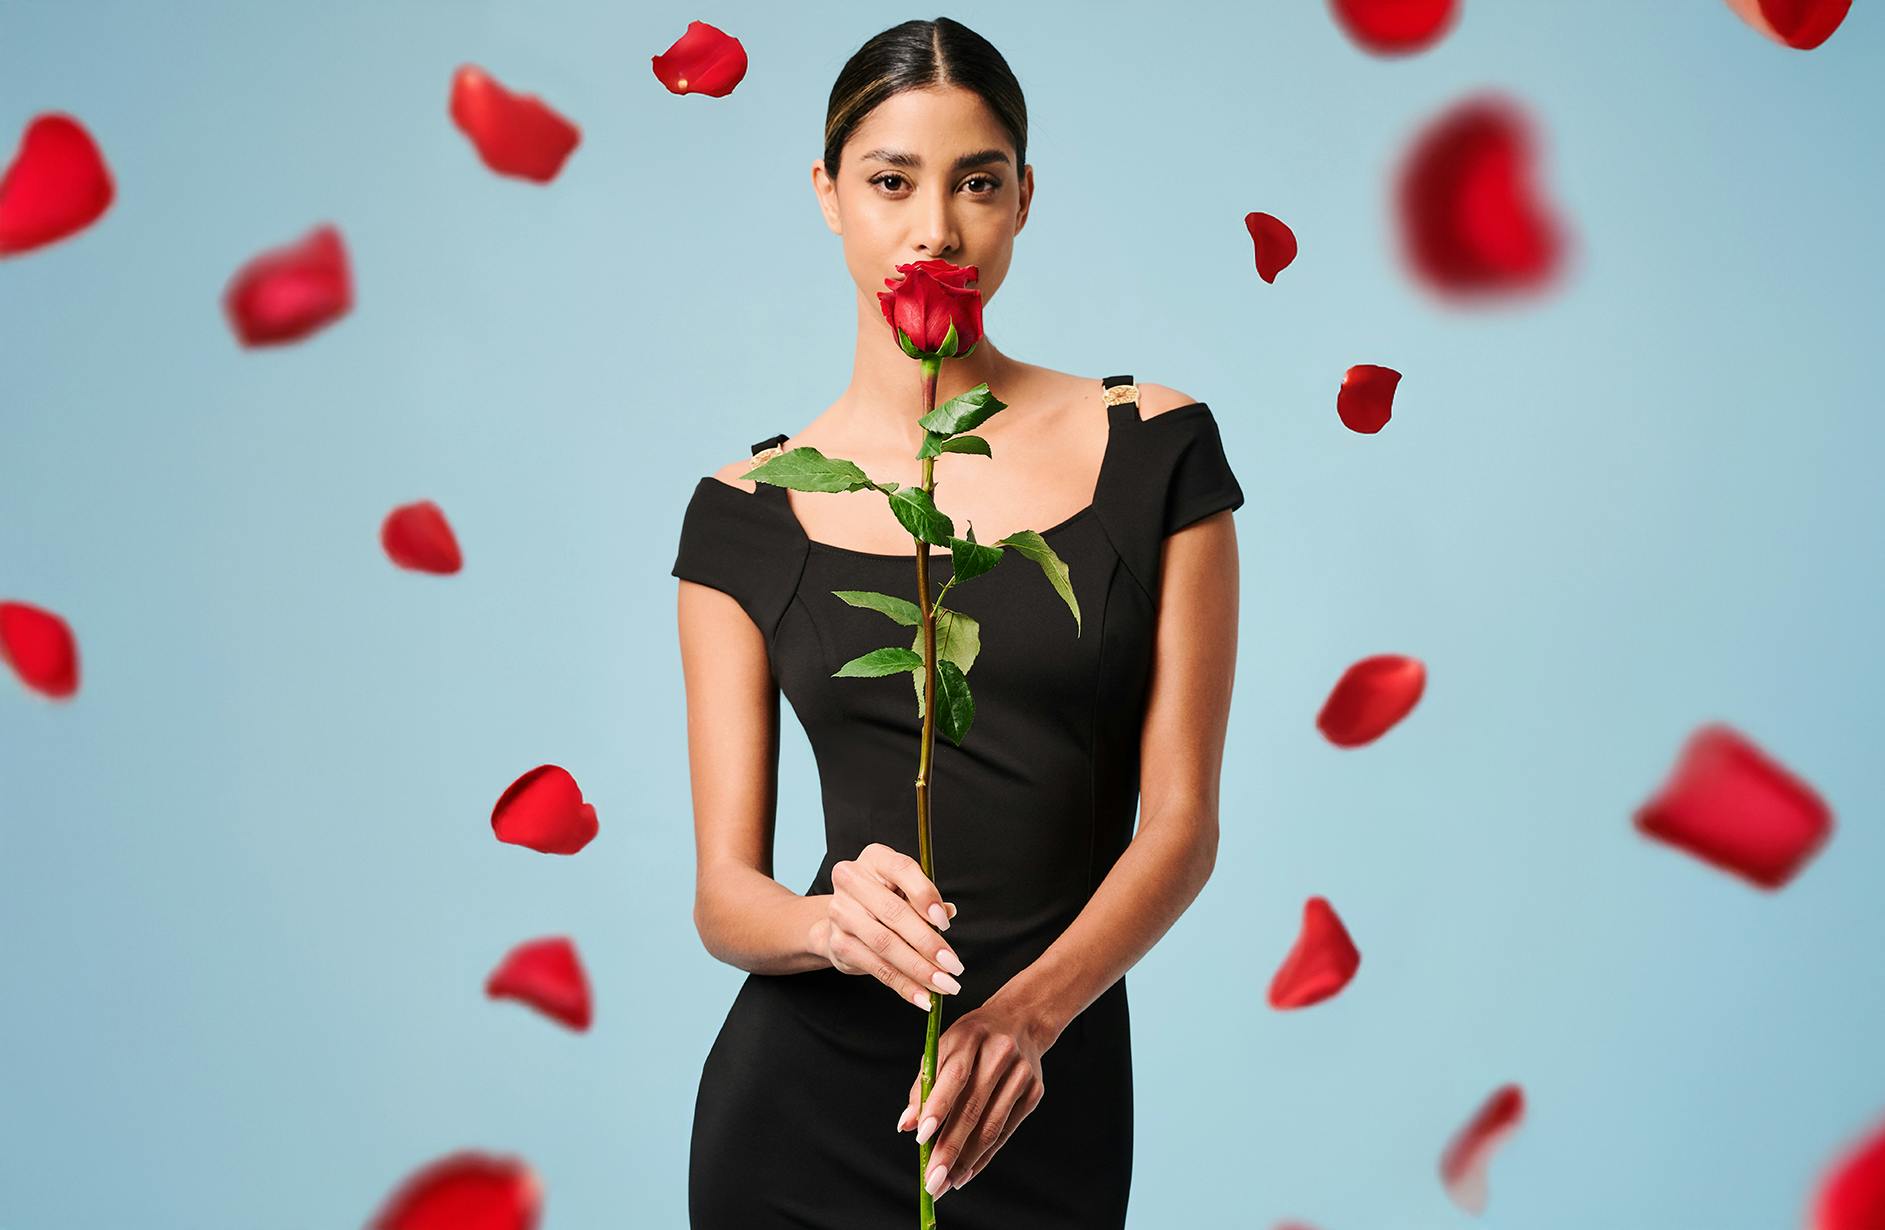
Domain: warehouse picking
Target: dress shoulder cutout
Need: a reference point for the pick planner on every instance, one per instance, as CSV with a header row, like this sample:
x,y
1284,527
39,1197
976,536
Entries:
x,y
1172,472
743,543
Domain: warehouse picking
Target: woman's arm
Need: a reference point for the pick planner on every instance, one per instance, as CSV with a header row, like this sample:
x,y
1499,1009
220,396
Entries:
x,y
744,916
1174,851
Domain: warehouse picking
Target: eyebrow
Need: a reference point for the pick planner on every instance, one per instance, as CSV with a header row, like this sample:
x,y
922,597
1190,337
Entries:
x,y
902,158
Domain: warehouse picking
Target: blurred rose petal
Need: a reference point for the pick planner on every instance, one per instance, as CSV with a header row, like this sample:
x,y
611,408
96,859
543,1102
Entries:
x,y
1370,697
1473,223
1731,805
1801,24
1851,1196
56,185
704,60
38,645
467,1190
1395,27
1463,1164
1320,963
515,134
1274,242
1365,401
418,537
544,810
548,975
286,293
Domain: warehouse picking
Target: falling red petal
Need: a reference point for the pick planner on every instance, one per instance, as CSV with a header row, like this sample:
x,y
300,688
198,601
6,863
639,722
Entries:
x,y
1395,27
286,293
548,975
704,60
1800,24
1731,805
544,810
1274,242
1370,697
418,537
56,185
38,645
515,134
467,1190
1365,401
1321,962
1473,223
1851,1196
1463,1164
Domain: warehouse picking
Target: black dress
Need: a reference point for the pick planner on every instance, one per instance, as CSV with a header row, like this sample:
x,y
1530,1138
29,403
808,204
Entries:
x,y
795,1117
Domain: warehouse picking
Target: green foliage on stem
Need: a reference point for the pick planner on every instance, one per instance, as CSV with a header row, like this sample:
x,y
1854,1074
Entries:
x,y
919,515
1032,545
806,469
958,641
878,662
902,610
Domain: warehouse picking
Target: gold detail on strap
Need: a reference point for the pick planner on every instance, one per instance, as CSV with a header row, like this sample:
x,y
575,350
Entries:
x,y
1119,393
767,454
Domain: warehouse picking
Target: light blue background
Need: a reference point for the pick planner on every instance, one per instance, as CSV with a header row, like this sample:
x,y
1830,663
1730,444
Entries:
x,y
248,890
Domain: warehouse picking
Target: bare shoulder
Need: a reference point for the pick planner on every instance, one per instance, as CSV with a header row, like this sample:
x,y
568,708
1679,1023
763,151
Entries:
x,y
1157,399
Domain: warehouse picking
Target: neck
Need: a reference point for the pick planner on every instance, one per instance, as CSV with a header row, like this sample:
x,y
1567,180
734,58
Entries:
x,y
883,401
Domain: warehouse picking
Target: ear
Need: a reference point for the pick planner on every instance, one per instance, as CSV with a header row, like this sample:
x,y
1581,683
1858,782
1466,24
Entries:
x,y
1027,197
827,197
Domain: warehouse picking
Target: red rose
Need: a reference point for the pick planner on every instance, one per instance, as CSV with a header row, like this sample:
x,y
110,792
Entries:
x,y
932,296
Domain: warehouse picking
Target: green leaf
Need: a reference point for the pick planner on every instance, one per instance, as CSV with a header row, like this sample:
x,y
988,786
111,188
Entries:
x,y
919,514
1032,545
902,610
969,408
806,469
955,709
878,662
958,640
969,559
964,444
950,341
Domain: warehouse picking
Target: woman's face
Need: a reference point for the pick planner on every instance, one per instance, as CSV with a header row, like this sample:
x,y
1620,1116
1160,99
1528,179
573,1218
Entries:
x,y
928,175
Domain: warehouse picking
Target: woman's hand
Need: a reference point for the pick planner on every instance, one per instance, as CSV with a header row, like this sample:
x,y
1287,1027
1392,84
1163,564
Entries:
x,y
988,1079
874,924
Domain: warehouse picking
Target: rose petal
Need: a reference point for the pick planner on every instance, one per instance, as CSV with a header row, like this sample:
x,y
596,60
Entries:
x,y
1370,697
467,1190
1801,24
38,645
515,134
1851,1196
544,810
1463,1164
1321,962
1365,401
56,185
1731,805
1472,221
704,60
286,293
1273,241
1395,27
548,975
418,537
930,298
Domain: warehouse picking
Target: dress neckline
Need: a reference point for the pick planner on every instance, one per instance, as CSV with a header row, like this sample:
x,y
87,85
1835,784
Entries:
x,y
1116,412
779,496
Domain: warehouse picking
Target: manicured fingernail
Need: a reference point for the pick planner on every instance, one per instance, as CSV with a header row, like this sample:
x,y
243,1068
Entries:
x,y
903,1120
964,1180
938,1179
922,1133
949,960
937,916
920,999
945,983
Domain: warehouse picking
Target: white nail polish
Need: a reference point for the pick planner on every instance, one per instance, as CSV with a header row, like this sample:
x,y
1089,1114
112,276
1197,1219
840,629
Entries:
x,y
920,999
922,1133
937,916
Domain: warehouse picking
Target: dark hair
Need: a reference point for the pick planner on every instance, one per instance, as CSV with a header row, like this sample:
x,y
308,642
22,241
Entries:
x,y
911,56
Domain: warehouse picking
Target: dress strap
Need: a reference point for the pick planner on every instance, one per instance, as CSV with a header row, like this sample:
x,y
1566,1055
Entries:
x,y
1120,394
765,450
768,443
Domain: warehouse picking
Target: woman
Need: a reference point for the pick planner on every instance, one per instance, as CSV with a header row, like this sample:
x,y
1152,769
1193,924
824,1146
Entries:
x,y
1051,896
